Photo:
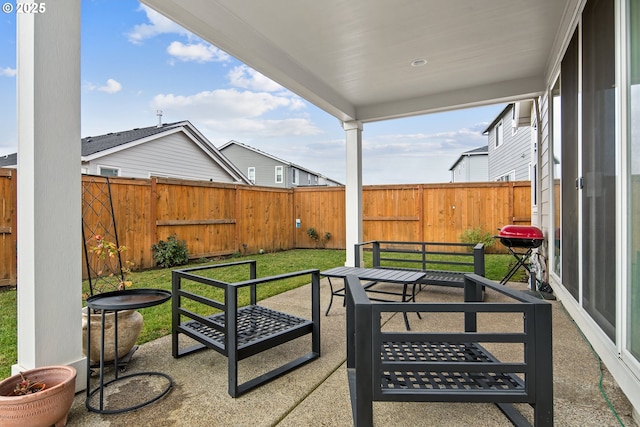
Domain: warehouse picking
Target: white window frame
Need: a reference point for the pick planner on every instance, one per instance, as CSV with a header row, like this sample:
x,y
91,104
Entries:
x,y
296,176
279,174
499,131
117,170
251,174
507,177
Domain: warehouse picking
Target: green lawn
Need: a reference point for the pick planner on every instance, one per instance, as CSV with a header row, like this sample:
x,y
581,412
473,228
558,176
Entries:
x,y
157,320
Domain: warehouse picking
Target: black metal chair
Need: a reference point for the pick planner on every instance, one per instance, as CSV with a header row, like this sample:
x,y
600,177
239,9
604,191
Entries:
x,y
240,332
450,366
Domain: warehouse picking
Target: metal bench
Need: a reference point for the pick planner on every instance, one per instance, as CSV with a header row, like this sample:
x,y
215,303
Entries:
x,y
443,263
450,366
239,332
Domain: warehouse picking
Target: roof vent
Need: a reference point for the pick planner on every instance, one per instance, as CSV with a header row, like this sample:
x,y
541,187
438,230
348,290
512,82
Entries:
x,y
159,114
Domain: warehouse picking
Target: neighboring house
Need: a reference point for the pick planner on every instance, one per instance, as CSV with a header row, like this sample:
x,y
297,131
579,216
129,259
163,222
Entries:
x,y
9,160
471,166
266,170
509,145
172,150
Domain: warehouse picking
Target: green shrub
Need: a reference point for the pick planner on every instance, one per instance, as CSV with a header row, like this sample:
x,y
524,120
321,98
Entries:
x,y
170,253
313,235
476,235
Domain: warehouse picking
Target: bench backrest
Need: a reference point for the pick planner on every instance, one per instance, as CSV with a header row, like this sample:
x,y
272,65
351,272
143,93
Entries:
x,y
425,256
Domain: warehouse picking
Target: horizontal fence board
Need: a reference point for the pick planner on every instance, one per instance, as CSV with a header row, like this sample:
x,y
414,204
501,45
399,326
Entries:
x,y
216,219
195,222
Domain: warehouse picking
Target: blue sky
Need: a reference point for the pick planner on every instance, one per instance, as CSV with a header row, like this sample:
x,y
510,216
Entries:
x,y
135,62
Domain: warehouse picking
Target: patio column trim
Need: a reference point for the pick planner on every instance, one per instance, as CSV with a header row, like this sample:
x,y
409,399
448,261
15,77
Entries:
x,y
353,188
49,205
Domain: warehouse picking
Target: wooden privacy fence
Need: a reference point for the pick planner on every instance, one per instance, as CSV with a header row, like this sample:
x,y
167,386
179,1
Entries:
x,y
8,219
220,219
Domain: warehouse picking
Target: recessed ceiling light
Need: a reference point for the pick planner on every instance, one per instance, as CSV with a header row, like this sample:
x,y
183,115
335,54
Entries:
x,y
418,62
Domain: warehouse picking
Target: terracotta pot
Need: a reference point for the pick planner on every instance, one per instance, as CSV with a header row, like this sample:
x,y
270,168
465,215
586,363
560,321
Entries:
x,y
129,328
44,408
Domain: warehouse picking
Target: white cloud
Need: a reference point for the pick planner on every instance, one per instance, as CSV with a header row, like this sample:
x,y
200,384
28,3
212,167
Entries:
x,y
112,86
8,72
261,129
247,78
157,25
224,103
426,144
238,114
197,52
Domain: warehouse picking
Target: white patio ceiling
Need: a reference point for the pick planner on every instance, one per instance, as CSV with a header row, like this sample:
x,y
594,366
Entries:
x,y
353,58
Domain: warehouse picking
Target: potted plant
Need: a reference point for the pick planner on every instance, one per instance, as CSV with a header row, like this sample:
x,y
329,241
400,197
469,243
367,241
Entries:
x,y
109,274
39,397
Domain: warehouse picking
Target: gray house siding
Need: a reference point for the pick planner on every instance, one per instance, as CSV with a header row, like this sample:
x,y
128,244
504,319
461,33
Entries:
x,y
265,167
174,155
478,169
471,169
245,157
513,156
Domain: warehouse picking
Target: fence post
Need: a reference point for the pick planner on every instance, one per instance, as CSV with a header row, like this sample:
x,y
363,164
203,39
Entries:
x,y
153,215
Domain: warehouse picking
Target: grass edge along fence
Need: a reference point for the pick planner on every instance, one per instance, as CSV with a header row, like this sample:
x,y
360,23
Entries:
x,y
217,219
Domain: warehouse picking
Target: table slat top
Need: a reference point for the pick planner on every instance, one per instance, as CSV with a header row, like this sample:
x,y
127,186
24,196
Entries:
x,y
377,274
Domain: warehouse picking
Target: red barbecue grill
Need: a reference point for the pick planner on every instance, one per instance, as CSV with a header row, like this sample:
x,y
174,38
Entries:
x,y
520,237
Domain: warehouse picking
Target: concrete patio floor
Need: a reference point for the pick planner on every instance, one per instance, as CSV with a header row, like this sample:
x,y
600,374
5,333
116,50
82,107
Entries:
x,y
317,394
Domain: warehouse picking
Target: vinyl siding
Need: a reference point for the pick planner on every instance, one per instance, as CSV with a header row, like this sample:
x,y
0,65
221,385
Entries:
x,y
472,169
244,158
265,166
514,154
544,175
174,155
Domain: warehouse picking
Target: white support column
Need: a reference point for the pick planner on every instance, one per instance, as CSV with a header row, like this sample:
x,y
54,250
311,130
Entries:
x,y
353,189
49,189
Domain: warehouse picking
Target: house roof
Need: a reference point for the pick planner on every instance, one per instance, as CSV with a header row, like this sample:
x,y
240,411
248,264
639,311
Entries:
x,y
480,151
277,159
95,144
93,147
355,59
497,119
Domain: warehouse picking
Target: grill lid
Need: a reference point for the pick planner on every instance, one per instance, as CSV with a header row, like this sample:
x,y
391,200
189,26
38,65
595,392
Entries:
x,y
521,232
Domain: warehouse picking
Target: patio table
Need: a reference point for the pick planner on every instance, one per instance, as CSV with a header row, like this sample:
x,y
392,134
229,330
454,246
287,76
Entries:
x,y
373,276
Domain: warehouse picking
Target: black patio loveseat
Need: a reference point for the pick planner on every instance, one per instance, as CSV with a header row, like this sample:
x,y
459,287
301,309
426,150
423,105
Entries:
x,y
445,263
238,332
452,366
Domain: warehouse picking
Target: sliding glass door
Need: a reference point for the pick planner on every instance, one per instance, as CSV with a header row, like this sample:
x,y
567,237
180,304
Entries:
x,y
633,180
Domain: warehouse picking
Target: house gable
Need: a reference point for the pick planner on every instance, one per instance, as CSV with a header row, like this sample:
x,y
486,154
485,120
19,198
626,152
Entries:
x,y
175,150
